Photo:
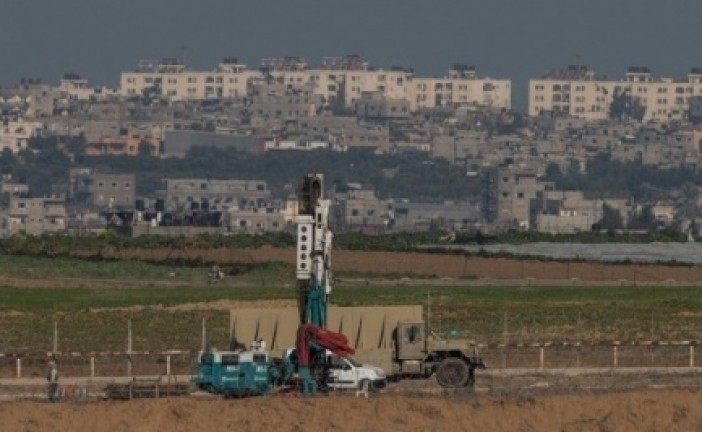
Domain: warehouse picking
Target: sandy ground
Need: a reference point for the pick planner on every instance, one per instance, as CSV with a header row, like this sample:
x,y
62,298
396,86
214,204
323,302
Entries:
x,y
651,410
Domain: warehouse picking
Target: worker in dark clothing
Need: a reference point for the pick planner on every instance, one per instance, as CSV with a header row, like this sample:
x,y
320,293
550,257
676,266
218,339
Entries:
x,y
52,378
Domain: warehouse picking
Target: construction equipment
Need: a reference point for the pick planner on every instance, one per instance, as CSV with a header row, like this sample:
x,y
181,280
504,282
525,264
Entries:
x,y
313,262
417,350
242,372
235,373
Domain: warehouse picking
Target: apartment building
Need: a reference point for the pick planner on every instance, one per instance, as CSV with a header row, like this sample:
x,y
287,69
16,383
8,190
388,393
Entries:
x,y
340,80
462,87
577,91
170,78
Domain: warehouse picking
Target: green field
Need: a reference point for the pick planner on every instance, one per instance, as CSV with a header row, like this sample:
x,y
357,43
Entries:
x,y
92,302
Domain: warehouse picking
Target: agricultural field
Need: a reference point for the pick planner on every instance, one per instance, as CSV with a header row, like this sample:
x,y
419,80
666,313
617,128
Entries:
x,y
91,303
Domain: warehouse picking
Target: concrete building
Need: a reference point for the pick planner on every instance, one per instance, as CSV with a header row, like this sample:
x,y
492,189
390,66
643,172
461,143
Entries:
x,y
374,105
361,210
73,87
31,99
577,91
342,132
11,187
15,134
102,190
280,103
514,190
210,194
408,216
570,212
255,221
35,216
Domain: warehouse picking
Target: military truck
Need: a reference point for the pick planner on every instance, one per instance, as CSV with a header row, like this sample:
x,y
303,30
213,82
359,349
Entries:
x,y
418,352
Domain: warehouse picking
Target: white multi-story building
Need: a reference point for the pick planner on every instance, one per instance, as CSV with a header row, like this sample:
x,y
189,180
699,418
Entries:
x,y
578,92
170,78
460,88
339,79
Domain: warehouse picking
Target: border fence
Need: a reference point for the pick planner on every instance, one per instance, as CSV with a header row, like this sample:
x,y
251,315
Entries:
x,y
642,354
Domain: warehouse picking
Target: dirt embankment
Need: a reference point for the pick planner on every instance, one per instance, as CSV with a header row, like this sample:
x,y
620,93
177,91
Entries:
x,y
429,264
648,410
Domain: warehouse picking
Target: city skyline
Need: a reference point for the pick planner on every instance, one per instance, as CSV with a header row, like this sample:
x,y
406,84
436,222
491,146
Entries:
x,y
506,38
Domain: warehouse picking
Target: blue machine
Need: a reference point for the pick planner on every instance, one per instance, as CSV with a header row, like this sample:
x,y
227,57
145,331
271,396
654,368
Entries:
x,y
235,373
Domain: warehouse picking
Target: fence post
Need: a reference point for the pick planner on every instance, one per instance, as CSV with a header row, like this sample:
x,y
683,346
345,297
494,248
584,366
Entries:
x,y
92,366
55,345
204,333
168,365
616,359
19,367
541,357
692,356
504,340
129,347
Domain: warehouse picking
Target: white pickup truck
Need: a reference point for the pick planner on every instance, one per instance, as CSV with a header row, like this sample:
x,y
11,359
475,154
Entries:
x,y
346,373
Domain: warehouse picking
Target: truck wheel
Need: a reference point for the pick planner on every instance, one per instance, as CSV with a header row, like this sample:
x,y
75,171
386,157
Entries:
x,y
452,372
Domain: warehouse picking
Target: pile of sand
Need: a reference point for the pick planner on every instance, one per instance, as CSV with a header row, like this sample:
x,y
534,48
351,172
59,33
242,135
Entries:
x,y
645,410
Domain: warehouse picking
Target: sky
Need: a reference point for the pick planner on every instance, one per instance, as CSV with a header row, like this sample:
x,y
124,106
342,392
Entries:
x,y
514,39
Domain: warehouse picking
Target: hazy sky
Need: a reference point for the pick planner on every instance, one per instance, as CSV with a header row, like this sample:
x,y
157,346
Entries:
x,y
504,38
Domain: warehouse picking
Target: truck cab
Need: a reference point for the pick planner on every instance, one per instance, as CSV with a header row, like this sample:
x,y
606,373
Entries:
x,y
417,352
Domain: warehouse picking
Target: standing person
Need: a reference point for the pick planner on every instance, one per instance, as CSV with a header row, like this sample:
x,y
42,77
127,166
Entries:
x,y
52,378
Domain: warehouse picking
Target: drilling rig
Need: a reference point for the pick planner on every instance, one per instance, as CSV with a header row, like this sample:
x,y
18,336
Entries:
x,y
314,284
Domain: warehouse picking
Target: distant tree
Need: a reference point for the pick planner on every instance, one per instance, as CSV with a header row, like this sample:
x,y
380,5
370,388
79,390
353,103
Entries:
x,y
144,149
626,107
7,161
76,146
644,220
553,172
687,208
611,218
